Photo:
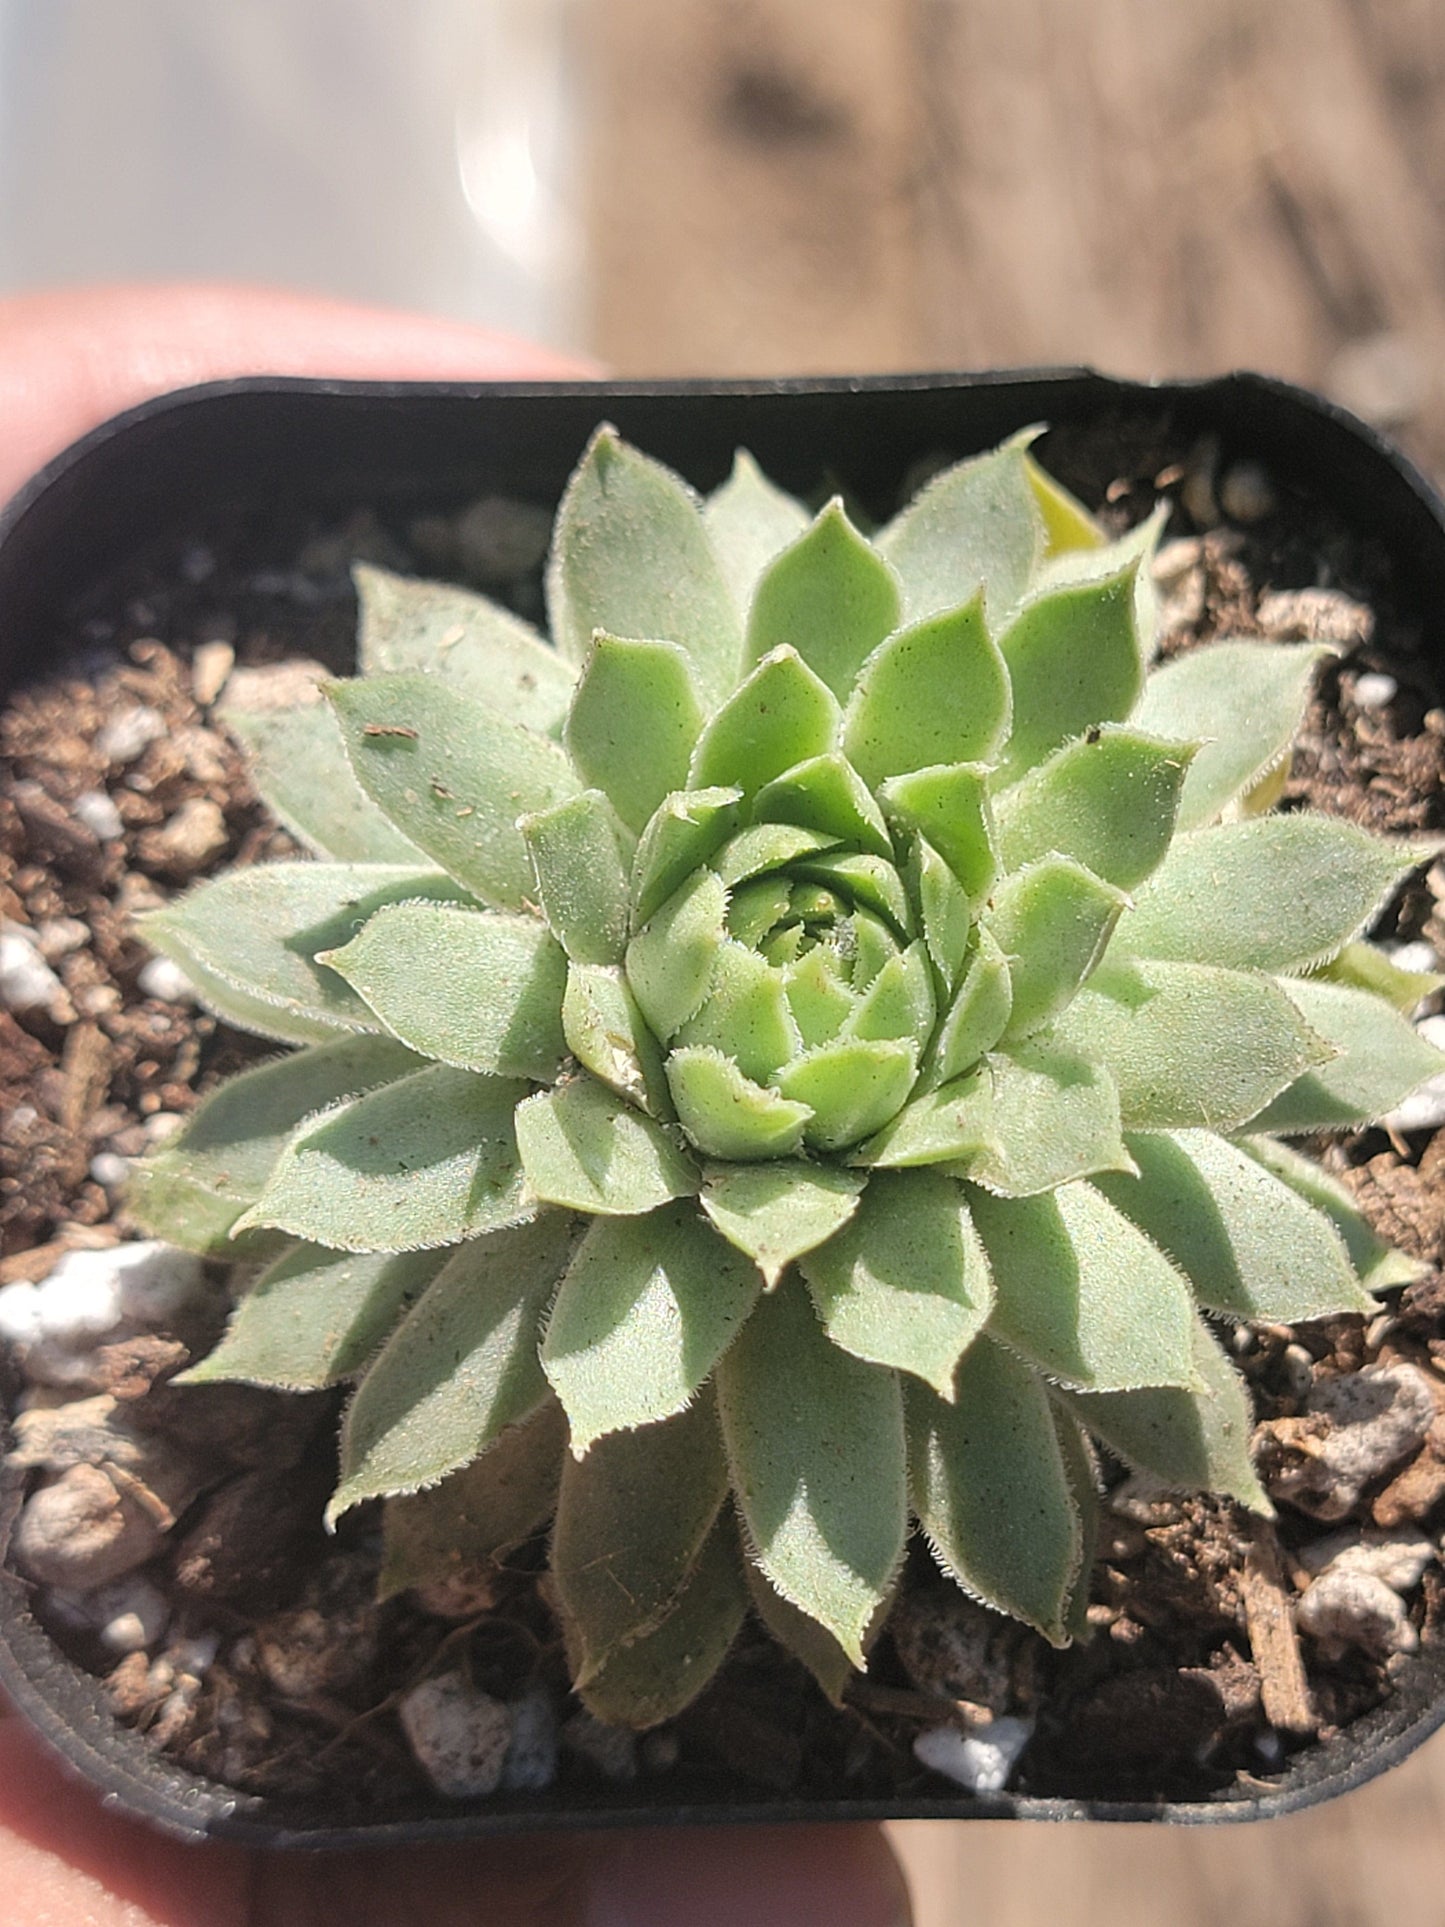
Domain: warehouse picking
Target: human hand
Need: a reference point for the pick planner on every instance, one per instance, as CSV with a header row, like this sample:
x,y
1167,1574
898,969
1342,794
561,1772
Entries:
x,y
68,361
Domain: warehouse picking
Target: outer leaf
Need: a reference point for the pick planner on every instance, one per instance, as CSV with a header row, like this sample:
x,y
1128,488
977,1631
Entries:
x,y
301,772
476,1515
1379,1059
582,878
1108,800
1052,921
633,1517
606,1033
978,1015
1067,523
745,1014
670,961
260,930
1082,1471
1250,1246
1187,1044
278,1022
1055,1116
630,555
1075,658
452,776
1082,1294
459,1369
775,1212
831,596
949,806
815,1443
944,907
462,987
906,1283
991,1489
687,829
1243,701
727,1115
583,1147
749,521
950,1123
934,693
1217,896
801,1636
825,793
633,722
1190,1440
194,1189
1364,967
426,1161
648,1307
316,1317
474,645
781,714
976,526
852,1088
1379,1265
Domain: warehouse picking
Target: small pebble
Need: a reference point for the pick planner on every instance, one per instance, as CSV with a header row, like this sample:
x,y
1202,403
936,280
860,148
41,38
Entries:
x,y
981,1761
26,980
1246,494
90,1294
531,1761
1417,955
109,1170
210,666
293,684
129,1615
80,1532
1375,689
126,736
1298,1364
1345,1608
98,814
611,1749
60,936
1316,615
188,840
163,979
460,1737
198,563
163,1125
1373,1419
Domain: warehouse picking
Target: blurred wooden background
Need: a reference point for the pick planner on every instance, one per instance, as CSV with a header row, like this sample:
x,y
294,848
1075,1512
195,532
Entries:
x,y
1154,187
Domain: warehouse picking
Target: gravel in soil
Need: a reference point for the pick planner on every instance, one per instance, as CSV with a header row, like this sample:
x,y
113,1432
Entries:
x,y
248,1645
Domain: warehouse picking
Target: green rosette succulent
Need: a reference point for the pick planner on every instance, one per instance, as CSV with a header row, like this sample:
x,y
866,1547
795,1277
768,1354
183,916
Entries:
x,y
800,1053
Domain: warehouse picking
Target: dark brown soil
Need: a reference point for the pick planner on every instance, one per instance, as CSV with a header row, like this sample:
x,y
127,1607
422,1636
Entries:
x,y
1177,1694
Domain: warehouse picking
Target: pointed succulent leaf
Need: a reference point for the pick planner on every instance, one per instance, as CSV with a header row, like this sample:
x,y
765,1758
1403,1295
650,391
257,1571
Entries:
x,y
781,714
1363,967
1249,1245
749,520
260,930
583,1147
1378,1059
825,793
1082,1471
670,962
429,1160
818,998
1377,1264
1074,658
460,1368
727,1115
686,830
463,987
745,1013
866,881
1082,1293
317,1317
905,1283
799,1634
852,1087
281,1023
648,1306
1189,1439
1243,701
453,776
952,1123
978,1015
831,596
777,1211
582,876
1189,1044
934,693
766,847
1068,524
606,1033
1217,896
899,1002
991,1489
949,806
1054,1116
1133,551
474,645
476,1515
1109,800
653,1677
815,1445
633,1516
300,771
633,723
977,526
944,908
1052,920
630,555
193,1190
756,907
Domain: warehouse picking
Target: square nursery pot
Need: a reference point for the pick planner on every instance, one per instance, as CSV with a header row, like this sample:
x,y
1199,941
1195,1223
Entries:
x,y
165,473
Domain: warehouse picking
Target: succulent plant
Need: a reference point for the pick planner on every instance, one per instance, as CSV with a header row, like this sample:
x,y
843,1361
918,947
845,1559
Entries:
x,y
802,1051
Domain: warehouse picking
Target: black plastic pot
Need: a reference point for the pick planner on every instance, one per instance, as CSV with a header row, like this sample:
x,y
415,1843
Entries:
x,y
167,468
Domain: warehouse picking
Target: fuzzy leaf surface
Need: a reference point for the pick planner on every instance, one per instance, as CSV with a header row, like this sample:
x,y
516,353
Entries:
x,y
1052,921
815,1446
978,1015
1363,967
825,793
1074,658
583,1147
991,1489
1380,1059
777,1211
686,830
648,1306
934,693
606,1033
460,1368
463,987
852,1087
582,877
727,1115
779,715
1377,1264
899,1003
800,1635
976,527
949,806
944,907
428,1160
300,769
830,596
633,722
906,1282
671,959
1082,1293
1110,802
1054,1116
951,1122
749,520
452,776
745,1014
